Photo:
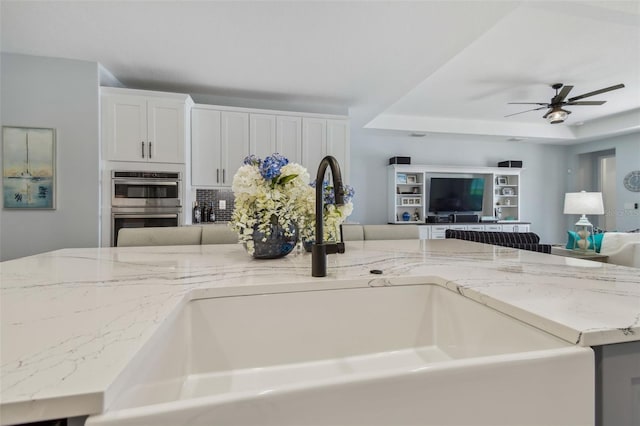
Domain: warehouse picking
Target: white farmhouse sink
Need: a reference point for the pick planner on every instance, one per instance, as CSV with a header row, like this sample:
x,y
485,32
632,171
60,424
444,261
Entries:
x,y
399,355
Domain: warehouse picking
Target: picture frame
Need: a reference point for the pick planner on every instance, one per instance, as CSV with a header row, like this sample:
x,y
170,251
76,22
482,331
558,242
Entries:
x,y
411,201
401,178
508,191
28,168
501,180
412,179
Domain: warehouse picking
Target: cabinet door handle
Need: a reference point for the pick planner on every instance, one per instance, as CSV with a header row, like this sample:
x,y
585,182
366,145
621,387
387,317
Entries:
x,y
223,176
217,175
149,149
142,149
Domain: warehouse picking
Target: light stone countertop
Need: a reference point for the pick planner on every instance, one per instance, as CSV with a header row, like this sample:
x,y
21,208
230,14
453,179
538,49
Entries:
x,y
71,320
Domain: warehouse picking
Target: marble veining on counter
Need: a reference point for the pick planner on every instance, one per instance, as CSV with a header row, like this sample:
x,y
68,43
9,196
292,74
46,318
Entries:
x,y
72,319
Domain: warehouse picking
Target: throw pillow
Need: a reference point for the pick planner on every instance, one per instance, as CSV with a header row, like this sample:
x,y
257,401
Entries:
x,y
572,240
597,238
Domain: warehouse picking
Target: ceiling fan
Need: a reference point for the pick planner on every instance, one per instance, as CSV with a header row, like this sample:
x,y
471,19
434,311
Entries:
x,y
556,114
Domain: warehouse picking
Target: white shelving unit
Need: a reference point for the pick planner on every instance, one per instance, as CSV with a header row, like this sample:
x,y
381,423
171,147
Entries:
x,y
408,188
506,196
408,197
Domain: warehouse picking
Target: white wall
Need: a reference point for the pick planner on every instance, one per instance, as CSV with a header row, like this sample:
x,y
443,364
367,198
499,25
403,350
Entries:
x,y
62,94
543,175
627,154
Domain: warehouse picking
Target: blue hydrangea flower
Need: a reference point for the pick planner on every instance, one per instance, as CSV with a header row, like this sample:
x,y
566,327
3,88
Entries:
x,y
349,192
252,160
328,194
270,167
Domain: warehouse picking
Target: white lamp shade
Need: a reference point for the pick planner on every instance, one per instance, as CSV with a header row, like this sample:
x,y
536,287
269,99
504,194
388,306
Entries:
x,y
583,203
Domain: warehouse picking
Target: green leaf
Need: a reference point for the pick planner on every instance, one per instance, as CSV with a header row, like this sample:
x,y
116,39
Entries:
x,y
285,179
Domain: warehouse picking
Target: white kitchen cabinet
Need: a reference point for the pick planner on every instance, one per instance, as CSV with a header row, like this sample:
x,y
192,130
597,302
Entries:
x,y
338,144
276,133
289,137
314,145
232,133
219,144
144,126
235,144
206,145
262,134
322,137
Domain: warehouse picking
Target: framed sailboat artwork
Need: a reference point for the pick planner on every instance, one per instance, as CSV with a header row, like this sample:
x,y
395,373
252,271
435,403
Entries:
x,y
28,168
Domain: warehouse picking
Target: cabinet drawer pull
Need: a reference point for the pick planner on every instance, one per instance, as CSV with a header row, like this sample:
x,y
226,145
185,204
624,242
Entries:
x,y
142,149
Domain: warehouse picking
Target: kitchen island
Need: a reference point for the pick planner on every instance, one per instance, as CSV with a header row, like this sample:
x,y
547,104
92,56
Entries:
x,y
73,319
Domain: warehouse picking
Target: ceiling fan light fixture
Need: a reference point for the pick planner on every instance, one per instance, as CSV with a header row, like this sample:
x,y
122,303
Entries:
x,y
558,115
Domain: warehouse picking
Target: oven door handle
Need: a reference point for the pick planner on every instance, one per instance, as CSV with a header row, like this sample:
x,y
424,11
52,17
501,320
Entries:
x,y
145,182
146,215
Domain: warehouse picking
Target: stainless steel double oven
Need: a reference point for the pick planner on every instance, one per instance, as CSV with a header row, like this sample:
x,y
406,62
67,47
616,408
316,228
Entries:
x,y
141,199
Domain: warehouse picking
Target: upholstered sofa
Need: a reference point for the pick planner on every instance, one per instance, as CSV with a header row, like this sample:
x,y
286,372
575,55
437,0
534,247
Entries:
x,y
622,248
519,240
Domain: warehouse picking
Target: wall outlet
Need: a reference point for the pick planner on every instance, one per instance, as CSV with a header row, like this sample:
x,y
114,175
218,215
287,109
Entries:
x,y
222,204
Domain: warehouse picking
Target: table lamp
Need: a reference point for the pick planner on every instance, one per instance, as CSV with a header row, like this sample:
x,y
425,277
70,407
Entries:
x,y
583,203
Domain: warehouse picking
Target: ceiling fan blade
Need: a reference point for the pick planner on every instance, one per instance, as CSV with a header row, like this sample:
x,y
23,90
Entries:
x,y
563,93
529,110
547,113
597,92
528,103
587,103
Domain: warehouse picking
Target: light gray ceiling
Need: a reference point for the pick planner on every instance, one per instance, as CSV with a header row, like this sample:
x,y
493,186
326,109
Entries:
x,y
421,66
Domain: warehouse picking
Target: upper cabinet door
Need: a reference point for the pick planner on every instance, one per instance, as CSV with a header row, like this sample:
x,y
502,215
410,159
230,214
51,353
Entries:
x,y
289,137
262,134
314,143
338,138
144,128
235,143
206,168
166,131
125,127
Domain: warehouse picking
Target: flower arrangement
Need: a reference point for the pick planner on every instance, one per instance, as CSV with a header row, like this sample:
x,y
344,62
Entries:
x,y
334,215
272,189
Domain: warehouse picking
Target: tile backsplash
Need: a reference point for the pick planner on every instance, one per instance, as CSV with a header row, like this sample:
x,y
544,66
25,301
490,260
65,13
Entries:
x,y
208,196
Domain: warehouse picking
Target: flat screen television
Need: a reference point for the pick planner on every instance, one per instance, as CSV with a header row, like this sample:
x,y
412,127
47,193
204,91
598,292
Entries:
x,y
448,195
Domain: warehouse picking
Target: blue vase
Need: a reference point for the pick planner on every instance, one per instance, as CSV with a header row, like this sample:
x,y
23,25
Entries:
x,y
406,216
277,244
